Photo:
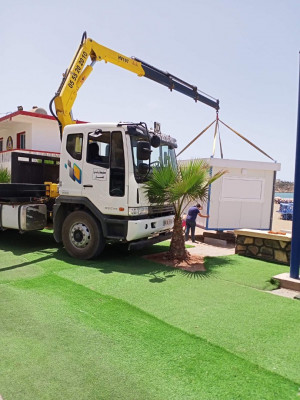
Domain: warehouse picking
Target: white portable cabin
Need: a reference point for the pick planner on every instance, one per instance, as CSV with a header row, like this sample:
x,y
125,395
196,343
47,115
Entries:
x,y
241,198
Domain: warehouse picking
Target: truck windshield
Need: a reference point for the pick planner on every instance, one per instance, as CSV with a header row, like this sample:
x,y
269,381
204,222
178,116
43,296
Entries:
x,y
161,155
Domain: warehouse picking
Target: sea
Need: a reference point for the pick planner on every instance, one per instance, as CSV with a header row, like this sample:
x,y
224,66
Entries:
x,y
289,195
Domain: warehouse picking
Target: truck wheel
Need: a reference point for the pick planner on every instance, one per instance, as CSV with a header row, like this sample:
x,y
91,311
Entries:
x,y
82,235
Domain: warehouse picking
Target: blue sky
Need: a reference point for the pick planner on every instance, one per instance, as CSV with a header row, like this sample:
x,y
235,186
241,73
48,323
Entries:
x,y
245,53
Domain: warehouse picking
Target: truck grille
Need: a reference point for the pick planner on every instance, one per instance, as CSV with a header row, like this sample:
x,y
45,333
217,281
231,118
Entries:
x,y
160,211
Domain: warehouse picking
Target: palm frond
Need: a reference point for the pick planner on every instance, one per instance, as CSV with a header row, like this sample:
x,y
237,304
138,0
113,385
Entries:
x,y
179,186
189,182
158,184
193,180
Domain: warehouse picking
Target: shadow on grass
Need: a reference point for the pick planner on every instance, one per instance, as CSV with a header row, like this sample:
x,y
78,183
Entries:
x,y
214,264
212,268
115,258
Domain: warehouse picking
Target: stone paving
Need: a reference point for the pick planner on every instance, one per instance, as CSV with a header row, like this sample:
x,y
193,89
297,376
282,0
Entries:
x,y
213,250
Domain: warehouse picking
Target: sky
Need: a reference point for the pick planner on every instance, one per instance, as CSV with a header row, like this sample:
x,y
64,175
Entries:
x,y
244,53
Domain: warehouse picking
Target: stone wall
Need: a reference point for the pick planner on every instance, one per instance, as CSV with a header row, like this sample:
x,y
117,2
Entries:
x,y
265,246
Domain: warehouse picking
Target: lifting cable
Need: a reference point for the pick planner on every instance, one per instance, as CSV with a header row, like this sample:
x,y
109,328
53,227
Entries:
x,y
201,133
220,142
215,135
248,141
217,130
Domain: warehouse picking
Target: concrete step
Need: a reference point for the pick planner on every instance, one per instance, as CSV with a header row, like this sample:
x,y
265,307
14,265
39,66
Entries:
x,y
287,282
220,235
291,294
214,241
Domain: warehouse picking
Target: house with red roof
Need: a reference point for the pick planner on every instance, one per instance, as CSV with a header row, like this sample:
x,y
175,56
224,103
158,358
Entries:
x,y
32,132
29,130
28,137
30,145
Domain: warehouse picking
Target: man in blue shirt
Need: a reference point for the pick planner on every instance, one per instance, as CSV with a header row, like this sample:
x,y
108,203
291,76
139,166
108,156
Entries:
x,y
191,221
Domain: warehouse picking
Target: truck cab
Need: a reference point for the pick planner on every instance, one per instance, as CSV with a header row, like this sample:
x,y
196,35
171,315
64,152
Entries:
x,y
102,170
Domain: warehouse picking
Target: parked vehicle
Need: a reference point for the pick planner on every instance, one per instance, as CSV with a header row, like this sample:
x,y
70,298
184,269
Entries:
x,y
99,197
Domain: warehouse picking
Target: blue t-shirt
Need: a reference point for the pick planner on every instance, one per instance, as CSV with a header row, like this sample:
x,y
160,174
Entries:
x,y
192,214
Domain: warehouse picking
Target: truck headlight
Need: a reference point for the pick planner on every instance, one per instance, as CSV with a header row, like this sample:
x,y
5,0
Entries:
x,y
133,211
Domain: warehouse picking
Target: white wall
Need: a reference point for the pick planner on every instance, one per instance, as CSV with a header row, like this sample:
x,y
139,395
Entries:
x,y
45,135
42,134
12,129
242,198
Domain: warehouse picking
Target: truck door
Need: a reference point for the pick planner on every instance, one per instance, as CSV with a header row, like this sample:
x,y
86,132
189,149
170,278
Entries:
x,y
71,165
104,172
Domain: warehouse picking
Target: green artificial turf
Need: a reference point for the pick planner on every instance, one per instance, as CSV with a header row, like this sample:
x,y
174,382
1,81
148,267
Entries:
x,y
122,327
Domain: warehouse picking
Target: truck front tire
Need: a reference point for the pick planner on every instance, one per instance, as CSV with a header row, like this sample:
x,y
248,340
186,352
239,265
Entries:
x,y
82,235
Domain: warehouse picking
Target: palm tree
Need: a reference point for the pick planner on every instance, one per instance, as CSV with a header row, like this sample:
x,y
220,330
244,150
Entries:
x,y
189,182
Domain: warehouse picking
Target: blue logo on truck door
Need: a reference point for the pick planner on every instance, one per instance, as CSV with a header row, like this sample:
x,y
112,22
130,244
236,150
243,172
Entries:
x,y
74,171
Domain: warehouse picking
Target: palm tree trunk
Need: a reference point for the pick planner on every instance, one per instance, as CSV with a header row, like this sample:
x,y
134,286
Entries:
x,y
177,247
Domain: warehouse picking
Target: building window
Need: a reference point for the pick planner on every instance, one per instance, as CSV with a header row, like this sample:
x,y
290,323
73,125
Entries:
x,y
21,140
1,144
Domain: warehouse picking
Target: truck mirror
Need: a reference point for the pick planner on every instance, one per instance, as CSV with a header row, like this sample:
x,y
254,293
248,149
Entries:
x,y
143,150
155,141
143,168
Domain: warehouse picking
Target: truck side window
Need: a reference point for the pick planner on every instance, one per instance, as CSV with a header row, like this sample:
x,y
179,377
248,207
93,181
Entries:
x,y
98,149
74,145
117,151
117,166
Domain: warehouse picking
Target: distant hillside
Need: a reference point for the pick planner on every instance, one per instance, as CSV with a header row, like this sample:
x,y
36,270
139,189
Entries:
x,y
284,186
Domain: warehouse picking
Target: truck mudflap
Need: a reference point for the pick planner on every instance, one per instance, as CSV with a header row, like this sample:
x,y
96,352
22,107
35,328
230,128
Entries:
x,y
139,244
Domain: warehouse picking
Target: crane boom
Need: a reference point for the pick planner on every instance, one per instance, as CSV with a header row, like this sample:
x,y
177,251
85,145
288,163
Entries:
x,y
174,83
78,72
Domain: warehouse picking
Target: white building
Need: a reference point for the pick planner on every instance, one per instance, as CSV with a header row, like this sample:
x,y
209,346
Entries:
x,y
29,131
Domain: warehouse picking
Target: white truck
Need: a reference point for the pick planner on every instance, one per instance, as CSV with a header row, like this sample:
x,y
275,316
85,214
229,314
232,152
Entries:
x,y
99,197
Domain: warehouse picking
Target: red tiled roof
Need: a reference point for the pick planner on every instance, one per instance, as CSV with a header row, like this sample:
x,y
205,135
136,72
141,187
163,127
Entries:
x,y
32,114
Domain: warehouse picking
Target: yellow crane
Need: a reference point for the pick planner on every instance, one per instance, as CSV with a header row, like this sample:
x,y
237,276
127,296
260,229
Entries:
x,y
78,72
